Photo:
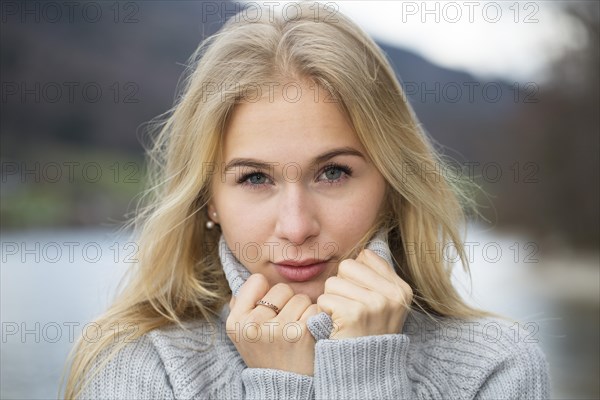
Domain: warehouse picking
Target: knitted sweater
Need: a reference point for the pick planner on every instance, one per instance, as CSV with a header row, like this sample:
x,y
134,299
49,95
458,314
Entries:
x,y
430,359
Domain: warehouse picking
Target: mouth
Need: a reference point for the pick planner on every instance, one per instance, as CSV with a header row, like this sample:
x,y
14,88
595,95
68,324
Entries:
x,y
301,271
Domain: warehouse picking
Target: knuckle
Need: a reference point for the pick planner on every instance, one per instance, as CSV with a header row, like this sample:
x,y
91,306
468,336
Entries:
x,y
407,294
321,300
283,288
403,302
302,298
407,301
403,285
379,302
345,266
355,314
259,278
329,282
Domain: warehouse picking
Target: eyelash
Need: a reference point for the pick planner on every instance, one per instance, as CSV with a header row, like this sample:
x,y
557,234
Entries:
x,y
346,169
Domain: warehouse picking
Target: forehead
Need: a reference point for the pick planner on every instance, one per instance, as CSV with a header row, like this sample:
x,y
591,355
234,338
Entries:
x,y
290,126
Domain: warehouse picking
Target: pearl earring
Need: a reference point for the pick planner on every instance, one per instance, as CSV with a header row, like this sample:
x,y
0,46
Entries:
x,y
210,224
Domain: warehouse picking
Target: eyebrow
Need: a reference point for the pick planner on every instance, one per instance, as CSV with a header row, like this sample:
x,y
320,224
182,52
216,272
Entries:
x,y
258,164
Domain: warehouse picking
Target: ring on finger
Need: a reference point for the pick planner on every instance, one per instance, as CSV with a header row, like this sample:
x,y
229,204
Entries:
x,y
267,304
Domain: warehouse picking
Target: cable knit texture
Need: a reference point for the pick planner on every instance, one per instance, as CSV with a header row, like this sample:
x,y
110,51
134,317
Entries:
x,y
430,359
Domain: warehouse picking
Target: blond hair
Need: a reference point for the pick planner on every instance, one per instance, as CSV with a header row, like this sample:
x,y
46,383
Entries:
x,y
178,276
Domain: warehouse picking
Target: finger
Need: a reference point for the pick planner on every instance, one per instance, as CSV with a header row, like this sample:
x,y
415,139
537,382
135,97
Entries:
x,y
312,310
361,274
255,287
364,276
294,308
381,265
329,303
278,295
348,289
375,262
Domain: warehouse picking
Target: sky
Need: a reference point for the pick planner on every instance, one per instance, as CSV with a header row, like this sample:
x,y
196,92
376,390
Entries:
x,y
511,40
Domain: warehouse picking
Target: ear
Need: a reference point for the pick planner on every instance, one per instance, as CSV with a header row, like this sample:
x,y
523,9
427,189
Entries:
x,y
213,215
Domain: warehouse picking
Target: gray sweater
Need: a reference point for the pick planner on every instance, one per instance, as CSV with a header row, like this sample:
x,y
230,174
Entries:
x,y
430,359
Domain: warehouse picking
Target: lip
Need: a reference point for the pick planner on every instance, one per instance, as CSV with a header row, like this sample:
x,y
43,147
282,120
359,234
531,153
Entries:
x,y
303,263
300,273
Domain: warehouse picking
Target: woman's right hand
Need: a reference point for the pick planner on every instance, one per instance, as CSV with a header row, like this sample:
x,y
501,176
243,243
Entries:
x,y
265,339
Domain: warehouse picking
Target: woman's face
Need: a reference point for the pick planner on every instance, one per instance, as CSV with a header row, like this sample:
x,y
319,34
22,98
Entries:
x,y
295,187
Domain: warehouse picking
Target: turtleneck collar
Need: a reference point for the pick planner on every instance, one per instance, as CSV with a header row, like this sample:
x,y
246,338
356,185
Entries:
x,y
319,325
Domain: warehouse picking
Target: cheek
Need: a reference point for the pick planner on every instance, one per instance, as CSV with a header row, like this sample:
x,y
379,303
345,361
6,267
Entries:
x,y
243,226
352,213
345,224
238,216
242,230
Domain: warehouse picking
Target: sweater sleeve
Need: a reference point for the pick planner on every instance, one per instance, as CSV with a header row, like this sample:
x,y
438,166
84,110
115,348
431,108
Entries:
x,y
265,383
135,372
369,367
375,367
523,375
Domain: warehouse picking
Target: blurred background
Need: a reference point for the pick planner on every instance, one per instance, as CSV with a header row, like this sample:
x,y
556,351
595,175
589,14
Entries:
x,y
508,90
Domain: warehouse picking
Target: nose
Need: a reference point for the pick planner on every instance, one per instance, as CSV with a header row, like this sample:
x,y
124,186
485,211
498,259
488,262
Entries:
x,y
297,217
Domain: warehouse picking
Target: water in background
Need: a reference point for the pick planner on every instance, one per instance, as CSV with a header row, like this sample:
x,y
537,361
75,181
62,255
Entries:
x,y
53,283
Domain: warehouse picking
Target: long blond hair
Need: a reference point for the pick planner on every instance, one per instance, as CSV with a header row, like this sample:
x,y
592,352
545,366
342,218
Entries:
x,y
178,276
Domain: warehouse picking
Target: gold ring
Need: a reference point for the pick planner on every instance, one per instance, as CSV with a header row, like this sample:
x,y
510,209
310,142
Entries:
x,y
267,304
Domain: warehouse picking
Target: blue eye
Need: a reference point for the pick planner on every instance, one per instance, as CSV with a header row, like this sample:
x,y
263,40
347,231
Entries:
x,y
253,179
256,179
335,173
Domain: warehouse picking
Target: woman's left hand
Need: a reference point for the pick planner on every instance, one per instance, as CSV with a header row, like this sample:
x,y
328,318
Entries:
x,y
365,298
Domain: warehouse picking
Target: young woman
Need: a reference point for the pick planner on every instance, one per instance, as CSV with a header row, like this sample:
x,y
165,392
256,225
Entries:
x,y
286,248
